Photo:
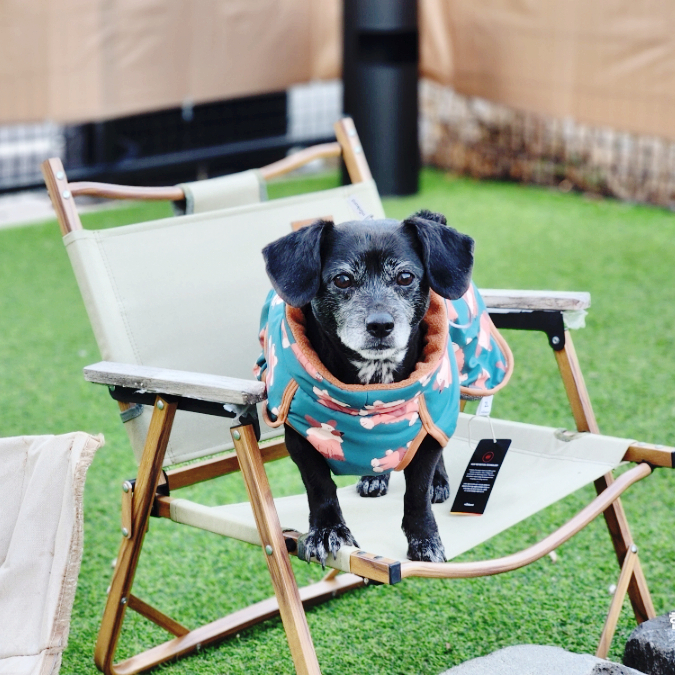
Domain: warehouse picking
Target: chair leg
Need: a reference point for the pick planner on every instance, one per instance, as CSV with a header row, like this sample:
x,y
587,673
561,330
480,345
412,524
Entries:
x,y
149,473
615,516
617,601
289,599
274,547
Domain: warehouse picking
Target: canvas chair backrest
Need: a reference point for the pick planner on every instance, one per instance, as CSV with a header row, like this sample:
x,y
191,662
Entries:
x,y
186,293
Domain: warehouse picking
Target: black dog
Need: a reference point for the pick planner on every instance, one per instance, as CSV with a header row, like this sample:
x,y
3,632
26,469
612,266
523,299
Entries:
x,y
363,288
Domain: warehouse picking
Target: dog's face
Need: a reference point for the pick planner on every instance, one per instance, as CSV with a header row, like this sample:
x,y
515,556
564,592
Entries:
x,y
368,281
373,289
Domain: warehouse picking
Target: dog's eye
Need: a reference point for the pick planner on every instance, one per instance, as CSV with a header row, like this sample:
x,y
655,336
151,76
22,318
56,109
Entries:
x,y
404,278
343,280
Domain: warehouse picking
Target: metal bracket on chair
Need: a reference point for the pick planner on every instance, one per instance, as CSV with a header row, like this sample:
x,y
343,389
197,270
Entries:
x,y
128,488
139,397
132,413
243,415
161,491
128,507
548,321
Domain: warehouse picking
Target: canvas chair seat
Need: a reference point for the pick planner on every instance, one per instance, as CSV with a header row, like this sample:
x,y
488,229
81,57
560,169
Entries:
x,y
42,486
541,467
186,294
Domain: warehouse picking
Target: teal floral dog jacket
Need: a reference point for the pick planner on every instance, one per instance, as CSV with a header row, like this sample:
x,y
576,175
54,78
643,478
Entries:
x,y
377,428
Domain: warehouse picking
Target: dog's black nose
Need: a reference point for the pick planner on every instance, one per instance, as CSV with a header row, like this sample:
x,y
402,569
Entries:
x,y
380,324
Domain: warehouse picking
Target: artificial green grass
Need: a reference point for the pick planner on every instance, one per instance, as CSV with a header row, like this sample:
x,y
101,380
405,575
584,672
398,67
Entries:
x,y
526,237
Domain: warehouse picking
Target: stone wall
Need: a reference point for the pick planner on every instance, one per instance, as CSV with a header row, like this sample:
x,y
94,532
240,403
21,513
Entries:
x,y
478,138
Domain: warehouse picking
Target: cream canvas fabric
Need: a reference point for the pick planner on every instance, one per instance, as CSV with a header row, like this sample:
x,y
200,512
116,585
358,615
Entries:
x,y
186,293
236,189
540,468
42,484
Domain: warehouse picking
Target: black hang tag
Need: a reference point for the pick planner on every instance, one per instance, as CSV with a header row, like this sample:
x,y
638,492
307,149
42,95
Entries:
x,y
479,477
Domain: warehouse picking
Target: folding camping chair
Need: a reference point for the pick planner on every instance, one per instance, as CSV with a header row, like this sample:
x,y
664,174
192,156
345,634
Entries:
x,y
175,309
42,486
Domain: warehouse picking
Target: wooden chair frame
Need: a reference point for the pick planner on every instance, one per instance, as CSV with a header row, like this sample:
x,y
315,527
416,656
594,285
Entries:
x,y
150,494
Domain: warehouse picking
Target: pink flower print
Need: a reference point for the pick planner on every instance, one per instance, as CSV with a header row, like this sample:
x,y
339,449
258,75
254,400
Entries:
x,y
262,335
285,342
256,371
391,459
276,300
381,407
480,383
484,341
324,398
389,413
500,365
325,437
272,361
470,298
443,374
304,362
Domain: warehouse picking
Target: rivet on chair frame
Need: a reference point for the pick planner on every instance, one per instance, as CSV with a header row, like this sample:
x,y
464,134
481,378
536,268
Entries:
x,y
269,550
60,175
160,405
66,194
236,435
125,532
126,486
633,548
123,601
555,340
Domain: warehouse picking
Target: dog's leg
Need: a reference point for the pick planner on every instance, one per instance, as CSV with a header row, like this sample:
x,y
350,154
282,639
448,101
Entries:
x,y
377,486
373,486
440,484
419,524
327,529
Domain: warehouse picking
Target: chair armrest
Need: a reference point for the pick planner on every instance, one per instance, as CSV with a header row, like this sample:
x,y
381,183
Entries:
x,y
535,300
199,386
656,455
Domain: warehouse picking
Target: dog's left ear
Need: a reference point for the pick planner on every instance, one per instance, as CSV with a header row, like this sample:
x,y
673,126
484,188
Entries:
x,y
447,254
293,263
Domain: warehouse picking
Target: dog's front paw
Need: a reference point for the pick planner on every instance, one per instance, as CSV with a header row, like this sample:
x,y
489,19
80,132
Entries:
x,y
426,549
440,489
373,486
320,541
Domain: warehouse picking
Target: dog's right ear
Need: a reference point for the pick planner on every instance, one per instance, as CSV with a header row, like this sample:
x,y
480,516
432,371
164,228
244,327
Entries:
x,y
447,254
293,263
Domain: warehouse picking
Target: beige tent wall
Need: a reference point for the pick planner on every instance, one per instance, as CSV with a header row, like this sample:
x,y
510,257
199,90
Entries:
x,y
76,60
572,93
602,62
